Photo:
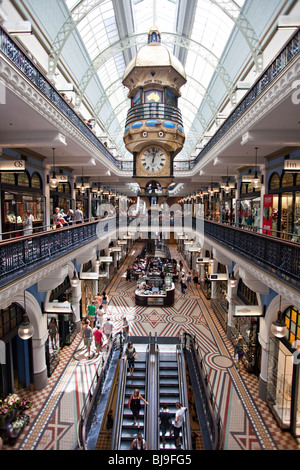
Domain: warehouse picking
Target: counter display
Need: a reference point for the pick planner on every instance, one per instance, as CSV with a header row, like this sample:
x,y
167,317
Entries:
x,y
156,296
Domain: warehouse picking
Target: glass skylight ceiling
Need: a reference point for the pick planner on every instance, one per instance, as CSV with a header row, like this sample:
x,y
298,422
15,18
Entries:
x,y
211,28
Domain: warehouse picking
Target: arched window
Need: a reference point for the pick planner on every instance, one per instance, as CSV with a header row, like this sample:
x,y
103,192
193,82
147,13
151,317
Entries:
x,y
274,182
287,180
36,181
23,179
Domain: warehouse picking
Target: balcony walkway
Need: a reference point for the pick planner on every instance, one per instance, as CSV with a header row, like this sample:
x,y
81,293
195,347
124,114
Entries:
x,y
247,422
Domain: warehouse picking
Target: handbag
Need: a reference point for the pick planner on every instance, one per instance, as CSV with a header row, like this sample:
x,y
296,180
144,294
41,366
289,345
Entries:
x,y
135,356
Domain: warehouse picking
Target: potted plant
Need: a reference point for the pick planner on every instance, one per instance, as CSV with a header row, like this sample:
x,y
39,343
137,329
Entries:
x,y
5,410
24,405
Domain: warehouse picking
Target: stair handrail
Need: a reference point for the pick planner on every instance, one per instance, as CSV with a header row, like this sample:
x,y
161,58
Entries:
x,y
183,394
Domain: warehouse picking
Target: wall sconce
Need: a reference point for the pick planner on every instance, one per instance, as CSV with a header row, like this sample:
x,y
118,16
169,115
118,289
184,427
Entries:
x,y
25,330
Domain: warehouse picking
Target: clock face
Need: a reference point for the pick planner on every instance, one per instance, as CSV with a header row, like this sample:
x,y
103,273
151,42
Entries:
x,y
153,159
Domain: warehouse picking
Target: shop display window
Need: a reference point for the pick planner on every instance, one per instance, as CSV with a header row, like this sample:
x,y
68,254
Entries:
x,y
248,212
286,214
16,204
279,383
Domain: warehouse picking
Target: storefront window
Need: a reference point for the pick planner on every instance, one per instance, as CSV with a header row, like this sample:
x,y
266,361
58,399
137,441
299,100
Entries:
x,y
14,207
279,385
283,374
296,229
286,215
248,212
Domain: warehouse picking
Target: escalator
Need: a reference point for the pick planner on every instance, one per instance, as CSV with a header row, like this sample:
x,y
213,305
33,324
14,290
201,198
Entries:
x,y
168,386
172,389
129,430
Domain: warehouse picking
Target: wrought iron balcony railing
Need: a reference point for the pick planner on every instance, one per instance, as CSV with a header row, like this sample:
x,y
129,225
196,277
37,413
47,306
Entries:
x,y
20,59
153,111
21,256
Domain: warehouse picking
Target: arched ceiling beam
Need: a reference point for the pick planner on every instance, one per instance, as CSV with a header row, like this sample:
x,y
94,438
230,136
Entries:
x,y
139,40
77,14
233,11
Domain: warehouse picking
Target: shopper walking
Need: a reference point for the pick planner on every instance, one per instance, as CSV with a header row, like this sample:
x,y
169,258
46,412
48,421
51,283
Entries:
x,y
130,353
88,332
98,336
104,301
108,329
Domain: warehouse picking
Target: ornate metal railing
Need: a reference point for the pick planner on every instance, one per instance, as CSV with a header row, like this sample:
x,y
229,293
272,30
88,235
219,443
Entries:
x,y
154,111
276,256
21,60
21,256
285,56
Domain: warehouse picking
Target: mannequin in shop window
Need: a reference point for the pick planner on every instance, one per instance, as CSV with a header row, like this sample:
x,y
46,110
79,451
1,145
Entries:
x,y
53,331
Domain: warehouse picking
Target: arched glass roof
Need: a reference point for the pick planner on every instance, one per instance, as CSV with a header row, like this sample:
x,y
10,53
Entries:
x,y
196,31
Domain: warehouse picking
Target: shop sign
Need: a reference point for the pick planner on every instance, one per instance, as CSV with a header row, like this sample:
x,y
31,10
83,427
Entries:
x,y
267,214
89,275
248,311
106,259
292,165
58,307
115,248
61,178
218,277
203,260
12,165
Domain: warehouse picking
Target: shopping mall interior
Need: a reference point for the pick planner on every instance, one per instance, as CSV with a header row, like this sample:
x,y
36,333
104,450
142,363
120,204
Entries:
x,y
150,196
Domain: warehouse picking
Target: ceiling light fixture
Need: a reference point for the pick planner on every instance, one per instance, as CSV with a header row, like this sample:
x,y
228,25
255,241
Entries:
x,y
53,182
25,330
278,327
256,180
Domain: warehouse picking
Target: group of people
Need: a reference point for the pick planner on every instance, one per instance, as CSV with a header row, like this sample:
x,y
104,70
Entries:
x,y
95,326
165,417
60,219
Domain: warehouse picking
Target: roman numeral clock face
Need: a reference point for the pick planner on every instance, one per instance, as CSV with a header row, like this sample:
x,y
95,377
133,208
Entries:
x,y
153,159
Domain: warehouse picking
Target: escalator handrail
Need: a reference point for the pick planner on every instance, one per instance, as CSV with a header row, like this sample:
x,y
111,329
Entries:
x,y
183,393
216,429
120,403
91,397
147,391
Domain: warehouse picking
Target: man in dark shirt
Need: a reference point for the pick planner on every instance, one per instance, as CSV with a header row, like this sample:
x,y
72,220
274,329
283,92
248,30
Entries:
x,y
165,423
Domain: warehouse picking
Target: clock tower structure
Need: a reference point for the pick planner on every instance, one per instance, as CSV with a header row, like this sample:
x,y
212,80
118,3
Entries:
x,y
154,131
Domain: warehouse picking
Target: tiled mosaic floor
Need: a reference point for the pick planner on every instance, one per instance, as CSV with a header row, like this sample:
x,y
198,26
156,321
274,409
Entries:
x,y
247,421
